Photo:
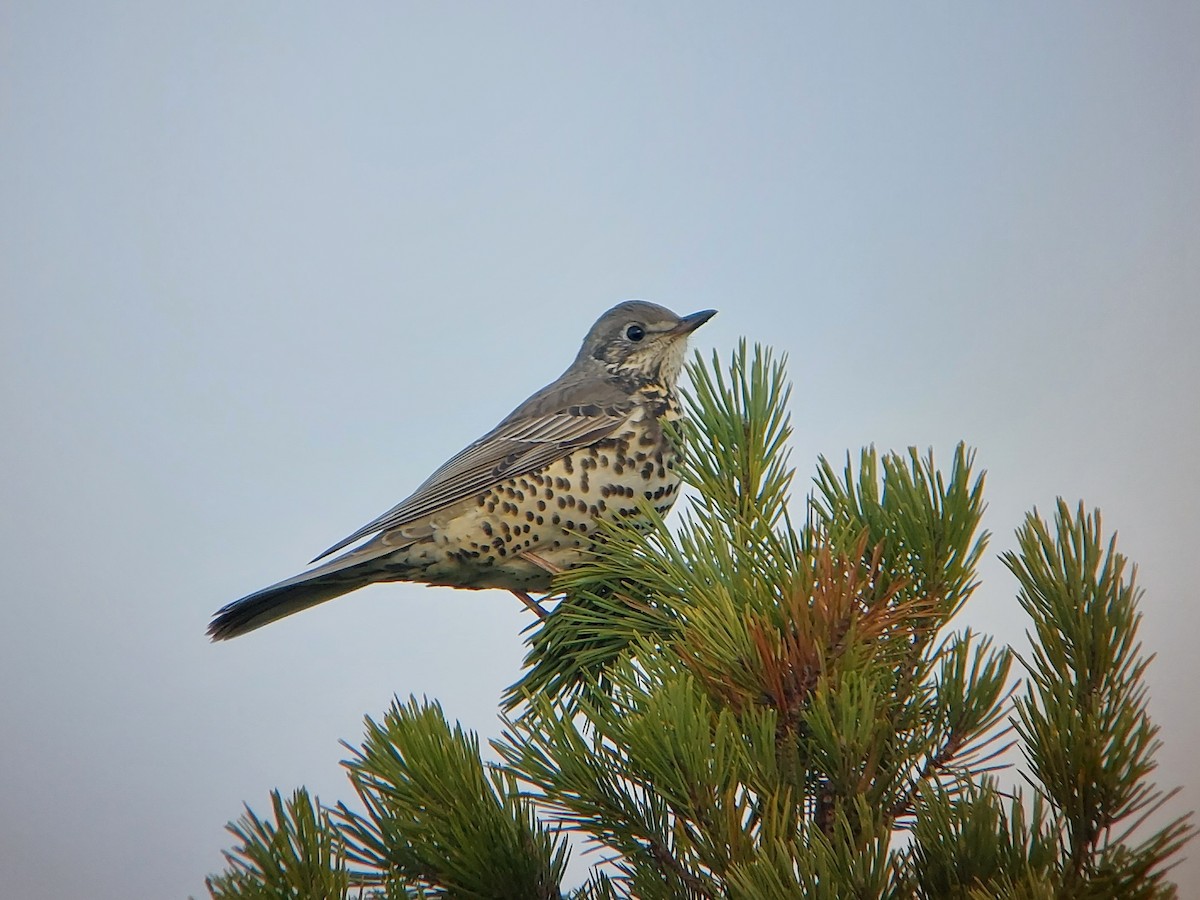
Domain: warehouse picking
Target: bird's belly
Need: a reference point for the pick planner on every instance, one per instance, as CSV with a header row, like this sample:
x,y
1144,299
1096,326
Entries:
x,y
550,513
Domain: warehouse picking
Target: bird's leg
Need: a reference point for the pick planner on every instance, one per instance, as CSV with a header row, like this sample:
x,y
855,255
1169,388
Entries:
x,y
531,603
540,562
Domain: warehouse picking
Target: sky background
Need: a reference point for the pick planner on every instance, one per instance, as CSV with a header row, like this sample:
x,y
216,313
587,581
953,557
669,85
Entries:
x,y
264,266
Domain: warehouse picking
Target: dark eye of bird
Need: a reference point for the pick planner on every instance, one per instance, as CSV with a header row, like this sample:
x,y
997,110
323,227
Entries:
x,y
635,332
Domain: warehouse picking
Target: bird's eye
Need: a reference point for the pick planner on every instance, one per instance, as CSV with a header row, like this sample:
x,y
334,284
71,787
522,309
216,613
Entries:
x,y
635,332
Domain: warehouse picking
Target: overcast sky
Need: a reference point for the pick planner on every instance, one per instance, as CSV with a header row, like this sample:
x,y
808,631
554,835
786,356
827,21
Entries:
x,y
265,265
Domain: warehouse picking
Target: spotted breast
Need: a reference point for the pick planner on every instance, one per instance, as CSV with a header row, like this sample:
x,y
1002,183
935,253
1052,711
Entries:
x,y
550,513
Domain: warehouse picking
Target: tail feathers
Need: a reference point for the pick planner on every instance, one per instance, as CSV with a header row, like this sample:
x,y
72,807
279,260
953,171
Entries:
x,y
287,597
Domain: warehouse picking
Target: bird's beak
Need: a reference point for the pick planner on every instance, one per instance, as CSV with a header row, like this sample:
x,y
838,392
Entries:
x,y
688,324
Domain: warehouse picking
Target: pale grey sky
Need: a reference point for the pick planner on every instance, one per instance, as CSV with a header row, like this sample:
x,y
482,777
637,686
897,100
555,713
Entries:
x,y
265,265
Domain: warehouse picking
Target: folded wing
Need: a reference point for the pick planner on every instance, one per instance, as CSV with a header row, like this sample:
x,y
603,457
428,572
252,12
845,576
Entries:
x,y
517,446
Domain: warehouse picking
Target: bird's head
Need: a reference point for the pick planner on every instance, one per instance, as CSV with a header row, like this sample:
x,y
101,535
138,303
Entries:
x,y
640,342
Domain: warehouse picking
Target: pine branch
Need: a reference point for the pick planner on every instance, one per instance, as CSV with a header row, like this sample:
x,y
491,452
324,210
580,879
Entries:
x,y
926,525
298,854
438,819
1087,735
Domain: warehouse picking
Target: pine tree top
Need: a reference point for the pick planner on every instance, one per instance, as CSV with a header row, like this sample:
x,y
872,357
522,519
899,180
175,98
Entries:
x,y
749,706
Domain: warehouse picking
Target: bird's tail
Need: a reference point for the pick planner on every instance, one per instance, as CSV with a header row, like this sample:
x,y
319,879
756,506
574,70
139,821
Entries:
x,y
290,596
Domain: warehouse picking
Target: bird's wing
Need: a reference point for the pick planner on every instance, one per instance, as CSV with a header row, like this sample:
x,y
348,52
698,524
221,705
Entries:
x,y
517,446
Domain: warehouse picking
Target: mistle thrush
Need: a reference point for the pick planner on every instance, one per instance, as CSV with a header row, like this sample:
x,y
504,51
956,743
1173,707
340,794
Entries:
x,y
520,502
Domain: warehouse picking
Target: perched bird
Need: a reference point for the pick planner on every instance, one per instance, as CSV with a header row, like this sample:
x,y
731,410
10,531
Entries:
x,y
518,504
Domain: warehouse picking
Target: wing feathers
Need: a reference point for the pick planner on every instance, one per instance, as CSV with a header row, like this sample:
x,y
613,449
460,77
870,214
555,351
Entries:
x,y
516,447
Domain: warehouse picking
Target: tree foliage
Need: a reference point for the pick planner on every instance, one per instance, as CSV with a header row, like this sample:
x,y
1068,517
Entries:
x,y
746,707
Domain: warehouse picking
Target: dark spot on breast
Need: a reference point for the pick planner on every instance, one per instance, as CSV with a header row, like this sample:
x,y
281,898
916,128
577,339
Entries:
x,y
568,465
